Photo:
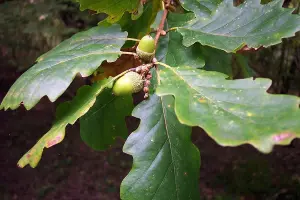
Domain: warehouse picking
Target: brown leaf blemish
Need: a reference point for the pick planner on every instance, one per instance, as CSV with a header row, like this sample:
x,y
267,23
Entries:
x,y
282,136
202,100
56,140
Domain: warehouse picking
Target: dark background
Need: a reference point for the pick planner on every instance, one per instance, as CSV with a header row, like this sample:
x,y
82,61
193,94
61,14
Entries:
x,y
71,170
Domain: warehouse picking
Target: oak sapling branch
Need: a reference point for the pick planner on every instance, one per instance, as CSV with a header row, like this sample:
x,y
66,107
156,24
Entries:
x,y
146,52
160,30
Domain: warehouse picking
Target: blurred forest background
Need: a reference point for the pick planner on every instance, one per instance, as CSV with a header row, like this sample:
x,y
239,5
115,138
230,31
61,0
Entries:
x,y
71,170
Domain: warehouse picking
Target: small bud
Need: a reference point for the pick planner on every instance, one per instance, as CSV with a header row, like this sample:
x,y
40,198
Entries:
x,y
149,67
148,76
147,83
144,68
146,96
138,69
163,32
146,89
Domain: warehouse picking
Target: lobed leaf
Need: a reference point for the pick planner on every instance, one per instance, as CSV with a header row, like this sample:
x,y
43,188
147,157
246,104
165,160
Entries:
x,y
171,51
67,113
197,55
177,54
83,53
106,120
165,162
230,28
113,8
232,112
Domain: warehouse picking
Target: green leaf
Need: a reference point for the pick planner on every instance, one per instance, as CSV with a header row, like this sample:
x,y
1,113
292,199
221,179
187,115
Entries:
x,y
157,20
139,27
232,112
105,120
139,12
216,60
177,54
241,67
203,8
165,162
113,8
67,113
229,28
171,49
83,53
172,52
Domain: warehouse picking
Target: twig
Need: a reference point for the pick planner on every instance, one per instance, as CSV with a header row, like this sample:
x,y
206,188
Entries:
x,y
142,68
160,29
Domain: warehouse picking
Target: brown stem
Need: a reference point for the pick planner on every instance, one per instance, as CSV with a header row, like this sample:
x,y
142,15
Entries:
x,y
149,65
160,29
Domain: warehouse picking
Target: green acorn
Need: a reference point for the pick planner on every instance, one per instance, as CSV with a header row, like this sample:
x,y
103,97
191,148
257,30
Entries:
x,y
130,83
146,48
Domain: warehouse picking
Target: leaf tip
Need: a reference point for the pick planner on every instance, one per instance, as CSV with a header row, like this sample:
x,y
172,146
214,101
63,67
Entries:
x,y
21,164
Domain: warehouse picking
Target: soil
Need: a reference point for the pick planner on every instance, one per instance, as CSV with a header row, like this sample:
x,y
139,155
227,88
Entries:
x,y
71,170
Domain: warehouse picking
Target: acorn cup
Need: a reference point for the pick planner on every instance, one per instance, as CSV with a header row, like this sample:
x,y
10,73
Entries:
x,y
146,48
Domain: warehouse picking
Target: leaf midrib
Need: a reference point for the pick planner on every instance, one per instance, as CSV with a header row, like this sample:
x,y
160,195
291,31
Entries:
x,y
229,36
53,66
167,133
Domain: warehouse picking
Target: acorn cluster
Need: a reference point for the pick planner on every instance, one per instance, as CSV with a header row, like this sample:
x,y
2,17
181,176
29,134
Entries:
x,y
139,78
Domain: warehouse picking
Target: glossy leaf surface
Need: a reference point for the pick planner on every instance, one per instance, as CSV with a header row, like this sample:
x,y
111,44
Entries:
x,y
232,112
165,162
106,120
113,8
83,53
230,28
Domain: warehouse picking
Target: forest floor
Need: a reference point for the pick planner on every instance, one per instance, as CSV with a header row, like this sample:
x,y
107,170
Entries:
x,y
71,170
